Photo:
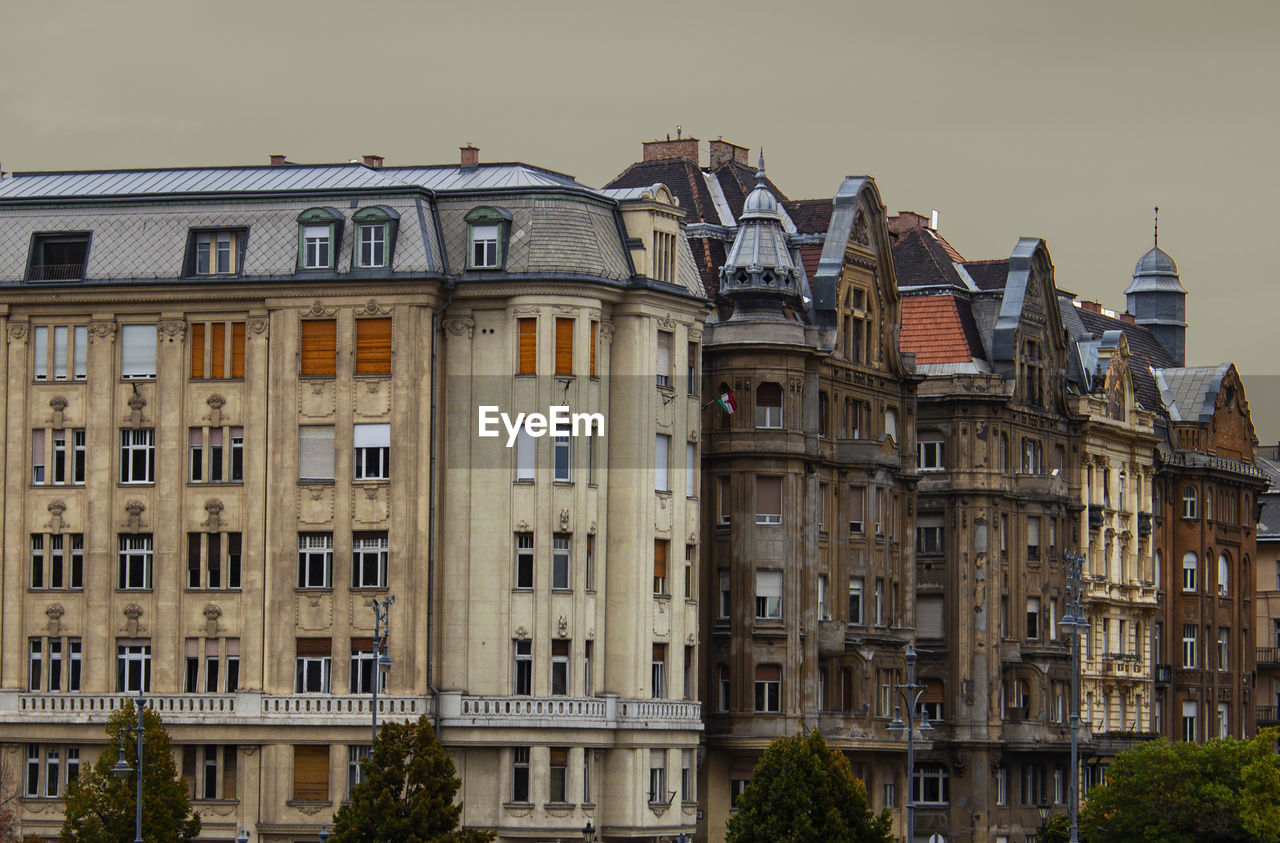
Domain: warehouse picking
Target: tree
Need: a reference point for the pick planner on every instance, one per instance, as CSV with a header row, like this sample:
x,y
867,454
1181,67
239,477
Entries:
x,y
406,792
804,792
100,807
1225,790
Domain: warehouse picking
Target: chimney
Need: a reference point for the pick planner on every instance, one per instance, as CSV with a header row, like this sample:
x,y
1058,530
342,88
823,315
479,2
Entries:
x,y
470,155
723,152
933,219
906,221
1128,317
1091,306
374,161
660,150
277,160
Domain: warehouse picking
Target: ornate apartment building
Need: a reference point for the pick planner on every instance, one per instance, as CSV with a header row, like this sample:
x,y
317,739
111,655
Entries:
x,y
243,403
1267,596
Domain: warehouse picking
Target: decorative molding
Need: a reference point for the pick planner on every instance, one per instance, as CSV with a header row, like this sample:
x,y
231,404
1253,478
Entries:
x,y
17,331
606,331
216,402
102,331
695,334
171,329
132,612
526,310
311,810
211,614
522,527
55,612
521,633
317,308
213,507
56,507
258,326
372,308
562,627
667,322
564,520
58,404
460,326
860,233
136,402
135,508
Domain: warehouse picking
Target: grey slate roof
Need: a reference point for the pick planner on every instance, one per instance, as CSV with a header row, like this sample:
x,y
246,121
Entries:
x,y
1190,393
1269,525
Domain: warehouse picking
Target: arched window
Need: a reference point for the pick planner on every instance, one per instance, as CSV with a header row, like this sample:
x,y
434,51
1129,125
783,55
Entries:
x,y
1190,501
1189,571
769,405
1224,574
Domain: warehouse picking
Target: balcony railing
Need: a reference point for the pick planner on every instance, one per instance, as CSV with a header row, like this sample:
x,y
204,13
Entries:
x,y
249,707
1164,674
1269,715
57,272
607,712
1268,656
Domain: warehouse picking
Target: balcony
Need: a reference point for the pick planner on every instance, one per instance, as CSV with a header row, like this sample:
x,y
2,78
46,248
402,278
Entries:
x,y
1096,516
608,712
1268,715
831,637
1114,743
1269,657
1164,674
243,708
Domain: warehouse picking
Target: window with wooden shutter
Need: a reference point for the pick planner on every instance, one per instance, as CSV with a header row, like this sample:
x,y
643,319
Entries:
x,y
659,566
314,646
217,350
197,351
319,347
229,754
311,773
373,346
564,346
237,349
528,363
595,330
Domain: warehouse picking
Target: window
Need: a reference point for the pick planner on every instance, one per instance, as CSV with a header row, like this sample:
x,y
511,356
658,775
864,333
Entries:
x,y
769,405
690,470
662,367
375,236
855,600
737,787
315,452
691,369
1190,731
1189,571
687,781
527,330
769,595
1224,574
657,775
314,657
484,247
1190,502
768,688
372,444
1189,637
931,784
318,353
891,794
660,547
723,513
60,349
929,455
1224,655
369,560
315,560
373,347
134,562
724,604
209,460
524,560
1033,618
661,462
722,687
520,774
929,534
46,774
857,509
355,773
526,454
930,616
523,672
588,688
1033,538
1002,786
212,356
564,346
658,671
212,668
690,683
213,560
57,560
1031,454
137,455
559,668
594,344
47,670
560,571
58,257
879,601
664,256
558,766
311,773
364,666
891,423
319,233
768,500
133,666
217,252
885,680
562,459
824,610
138,352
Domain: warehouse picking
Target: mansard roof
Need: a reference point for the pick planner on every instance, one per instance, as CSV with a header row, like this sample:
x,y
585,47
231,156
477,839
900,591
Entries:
x,y
1190,393
1147,353
941,332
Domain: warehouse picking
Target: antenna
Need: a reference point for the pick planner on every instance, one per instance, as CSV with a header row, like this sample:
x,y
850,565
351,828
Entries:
x,y
1157,228
679,130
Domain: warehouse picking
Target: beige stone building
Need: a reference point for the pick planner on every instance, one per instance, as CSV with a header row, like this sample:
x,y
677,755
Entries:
x,y
243,403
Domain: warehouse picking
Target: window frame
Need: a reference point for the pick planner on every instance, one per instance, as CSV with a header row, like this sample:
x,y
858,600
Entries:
x,y
146,334
238,243
305,565
481,219
368,218
128,556
366,544
146,445
309,221
371,461
73,360
39,239
930,455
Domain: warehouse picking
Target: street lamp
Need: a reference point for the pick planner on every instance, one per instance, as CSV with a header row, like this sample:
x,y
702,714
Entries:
x,y
381,661
121,768
243,837
910,694
324,833
1043,810
588,833
1074,623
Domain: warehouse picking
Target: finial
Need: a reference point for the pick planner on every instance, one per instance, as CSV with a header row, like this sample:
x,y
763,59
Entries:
x,y
1157,227
760,170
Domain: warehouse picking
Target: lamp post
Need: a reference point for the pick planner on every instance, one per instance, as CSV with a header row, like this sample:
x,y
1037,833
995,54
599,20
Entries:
x,y
324,833
1043,810
588,833
381,662
1074,623
121,768
243,837
910,694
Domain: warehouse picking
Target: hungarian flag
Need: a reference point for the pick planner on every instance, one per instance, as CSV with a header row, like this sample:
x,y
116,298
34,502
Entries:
x,y
727,403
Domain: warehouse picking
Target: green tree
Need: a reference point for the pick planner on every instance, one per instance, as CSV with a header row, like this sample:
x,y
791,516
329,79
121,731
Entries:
x,y
1225,790
100,807
406,793
804,792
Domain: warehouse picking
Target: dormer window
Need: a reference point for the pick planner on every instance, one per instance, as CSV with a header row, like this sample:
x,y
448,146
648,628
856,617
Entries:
x,y
486,237
58,257
215,252
375,236
320,229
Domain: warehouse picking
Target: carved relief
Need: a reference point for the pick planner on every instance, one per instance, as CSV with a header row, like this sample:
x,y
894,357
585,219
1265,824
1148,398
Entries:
x,y
372,308
17,331
460,327
216,402
58,404
211,614
169,330
56,507
315,612
132,612
315,503
522,527
135,510
370,504
606,332
316,398
667,323
562,627
102,331
860,233
54,613
317,308
213,507
564,520
258,327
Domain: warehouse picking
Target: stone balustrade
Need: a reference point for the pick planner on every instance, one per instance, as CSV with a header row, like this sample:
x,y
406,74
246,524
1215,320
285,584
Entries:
x,y
245,707
605,712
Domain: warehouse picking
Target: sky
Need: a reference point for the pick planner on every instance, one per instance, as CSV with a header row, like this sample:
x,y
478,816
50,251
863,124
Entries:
x,y
1067,121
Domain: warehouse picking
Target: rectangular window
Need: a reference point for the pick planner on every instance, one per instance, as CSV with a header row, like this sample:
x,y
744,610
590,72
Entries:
x,y
524,560
372,444
134,562
658,672
691,368
1031,454
559,667
879,601
311,773
595,332
58,257
768,500
137,455
133,666
484,246
355,772
560,558
315,560
562,459
373,346
527,362
663,367
364,666
855,600
688,793
217,253
371,245
824,611
657,776
931,785
857,509
523,668
690,584
558,779
690,470
312,665
588,688
929,456
769,595
1224,656
315,452
1189,640
1189,571
317,247
929,534
138,351
1190,730
213,560
1033,539
526,454
768,688
520,774
369,560
724,604
723,513
46,773
664,256
212,356
661,462
1002,786
1033,618
564,346
59,349
319,348
660,547
208,458
1224,727
57,569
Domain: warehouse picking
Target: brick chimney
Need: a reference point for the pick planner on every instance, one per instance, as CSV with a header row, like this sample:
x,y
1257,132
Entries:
x,y
470,155
905,221
277,160
1128,317
659,150
374,161
723,152
1091,306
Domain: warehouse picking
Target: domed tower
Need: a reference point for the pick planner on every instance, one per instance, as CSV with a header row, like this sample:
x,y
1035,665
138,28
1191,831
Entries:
x,y
758,273
1157,299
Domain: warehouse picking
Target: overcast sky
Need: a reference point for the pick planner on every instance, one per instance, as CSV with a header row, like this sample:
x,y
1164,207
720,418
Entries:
x,y
1067,121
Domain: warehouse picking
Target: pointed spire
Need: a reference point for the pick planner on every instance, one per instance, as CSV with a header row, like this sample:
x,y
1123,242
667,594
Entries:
x,y
760,179
1156,242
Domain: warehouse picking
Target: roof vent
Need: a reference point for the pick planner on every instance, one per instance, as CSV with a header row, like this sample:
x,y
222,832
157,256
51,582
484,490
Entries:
x,y
470,155
374,161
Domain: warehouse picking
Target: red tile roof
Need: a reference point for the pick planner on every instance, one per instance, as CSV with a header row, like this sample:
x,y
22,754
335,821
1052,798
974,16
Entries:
x,y
810,255
811,216
933,329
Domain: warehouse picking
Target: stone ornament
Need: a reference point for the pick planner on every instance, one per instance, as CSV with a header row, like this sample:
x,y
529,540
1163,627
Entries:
x,y
56,507
55,613
258,326
171,329
213,507
102,331
372,308
132,612
317,308
216,402
58,404
460,326
17,331
135,510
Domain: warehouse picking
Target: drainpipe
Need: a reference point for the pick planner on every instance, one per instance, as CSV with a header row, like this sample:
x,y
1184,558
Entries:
x,y
431,503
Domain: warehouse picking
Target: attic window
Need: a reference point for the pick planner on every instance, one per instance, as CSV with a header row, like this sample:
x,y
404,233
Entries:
x,y
487,230
58,257
319,234
375,237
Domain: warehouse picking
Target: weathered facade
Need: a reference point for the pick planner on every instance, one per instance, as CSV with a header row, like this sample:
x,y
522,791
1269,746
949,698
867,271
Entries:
x,y
1267,597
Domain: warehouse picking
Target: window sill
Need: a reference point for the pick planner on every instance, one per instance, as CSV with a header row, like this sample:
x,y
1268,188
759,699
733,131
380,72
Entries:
x,y
523,481
562,590
218,380
557,481
315,481
136,483
370,481
304,377
136,590
365,589
662,596
314,589
61,590
207,483
214,590
559,806
309,803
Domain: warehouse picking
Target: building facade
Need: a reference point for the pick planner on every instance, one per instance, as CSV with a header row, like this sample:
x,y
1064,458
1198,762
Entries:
x,y
1267,596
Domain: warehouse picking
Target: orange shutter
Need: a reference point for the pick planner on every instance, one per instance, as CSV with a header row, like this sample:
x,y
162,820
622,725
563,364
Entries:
x,y
237,349
595,327
564,346
319,347
229,754
197,350
314,646
311,773
528,346
660,558
218,354
373,346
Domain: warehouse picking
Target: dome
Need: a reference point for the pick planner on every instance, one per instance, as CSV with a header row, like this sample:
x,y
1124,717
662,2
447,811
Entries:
x,y
761,203
1156,262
